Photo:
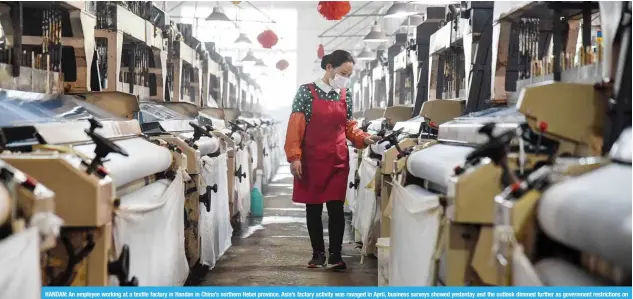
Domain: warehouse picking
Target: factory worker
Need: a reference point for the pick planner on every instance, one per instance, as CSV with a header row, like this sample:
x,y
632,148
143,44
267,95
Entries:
x,y
316,148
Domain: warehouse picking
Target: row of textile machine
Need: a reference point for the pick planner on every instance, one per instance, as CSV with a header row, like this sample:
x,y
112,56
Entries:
x,y
106,186
523,188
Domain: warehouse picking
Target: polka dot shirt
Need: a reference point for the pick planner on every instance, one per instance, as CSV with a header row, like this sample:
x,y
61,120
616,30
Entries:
x,y
303,99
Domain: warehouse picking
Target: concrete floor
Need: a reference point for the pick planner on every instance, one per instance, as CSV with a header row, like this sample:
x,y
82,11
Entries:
x,y
274,250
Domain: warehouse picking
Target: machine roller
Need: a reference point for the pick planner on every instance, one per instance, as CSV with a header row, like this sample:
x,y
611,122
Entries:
x,y
141,182
551,246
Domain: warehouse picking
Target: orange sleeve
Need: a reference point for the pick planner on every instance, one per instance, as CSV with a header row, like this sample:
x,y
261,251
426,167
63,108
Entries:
x,y
355,135
294,136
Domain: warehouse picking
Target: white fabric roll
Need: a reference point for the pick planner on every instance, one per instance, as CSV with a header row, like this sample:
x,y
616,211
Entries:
x,y
208,145
558,272
592,213
436,163
20,275
145,158
215,226
237,138
415,225
205,144
151,222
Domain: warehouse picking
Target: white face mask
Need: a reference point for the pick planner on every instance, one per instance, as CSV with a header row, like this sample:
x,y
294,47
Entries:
x,y
339,82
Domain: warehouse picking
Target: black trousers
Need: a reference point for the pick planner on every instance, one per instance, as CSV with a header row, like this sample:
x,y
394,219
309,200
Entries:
x,y
336,225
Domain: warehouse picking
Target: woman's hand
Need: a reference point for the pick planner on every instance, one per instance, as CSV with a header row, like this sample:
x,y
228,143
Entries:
x,y
372,139
295,168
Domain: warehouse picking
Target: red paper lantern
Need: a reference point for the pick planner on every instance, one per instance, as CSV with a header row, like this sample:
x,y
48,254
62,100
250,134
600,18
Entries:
x,y
333,10
282,64
267,39
321,52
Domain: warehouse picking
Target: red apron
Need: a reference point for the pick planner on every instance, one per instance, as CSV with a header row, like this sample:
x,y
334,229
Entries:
x,y
325,159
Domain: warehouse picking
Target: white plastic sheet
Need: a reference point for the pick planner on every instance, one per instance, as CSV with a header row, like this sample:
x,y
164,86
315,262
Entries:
x,y
151,222
20,275
243,186
366,206
350,196
415,223
215,226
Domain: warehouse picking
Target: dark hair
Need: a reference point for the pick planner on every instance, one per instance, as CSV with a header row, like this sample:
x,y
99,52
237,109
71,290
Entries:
x,y
336,58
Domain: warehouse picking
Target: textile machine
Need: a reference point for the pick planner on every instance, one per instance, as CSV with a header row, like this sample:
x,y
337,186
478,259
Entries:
x,y
218,118
465,180
459,60
132,52
138,177
28,229
365,83
212,70
52,52
240,198
405,73
207,224
567,224
230,89
538,236
379,81
187,55
405,136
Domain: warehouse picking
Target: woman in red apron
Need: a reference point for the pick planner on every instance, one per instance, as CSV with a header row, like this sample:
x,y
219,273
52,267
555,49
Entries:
x,y
316,147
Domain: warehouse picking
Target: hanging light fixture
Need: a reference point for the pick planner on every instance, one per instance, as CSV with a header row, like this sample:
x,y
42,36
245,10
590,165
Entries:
x,y
375,35
218,15
243,40
398,10
366,54
249,59
260,63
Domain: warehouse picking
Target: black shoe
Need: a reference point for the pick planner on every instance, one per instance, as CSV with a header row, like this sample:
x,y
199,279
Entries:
x,y
336,263
318,260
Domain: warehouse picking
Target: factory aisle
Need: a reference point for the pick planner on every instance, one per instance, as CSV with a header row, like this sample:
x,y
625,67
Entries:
x,y
274,250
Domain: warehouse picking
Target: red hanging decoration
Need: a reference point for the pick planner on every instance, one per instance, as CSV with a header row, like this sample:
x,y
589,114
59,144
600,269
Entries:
x,y
321,52
267,39
333,10
282,64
